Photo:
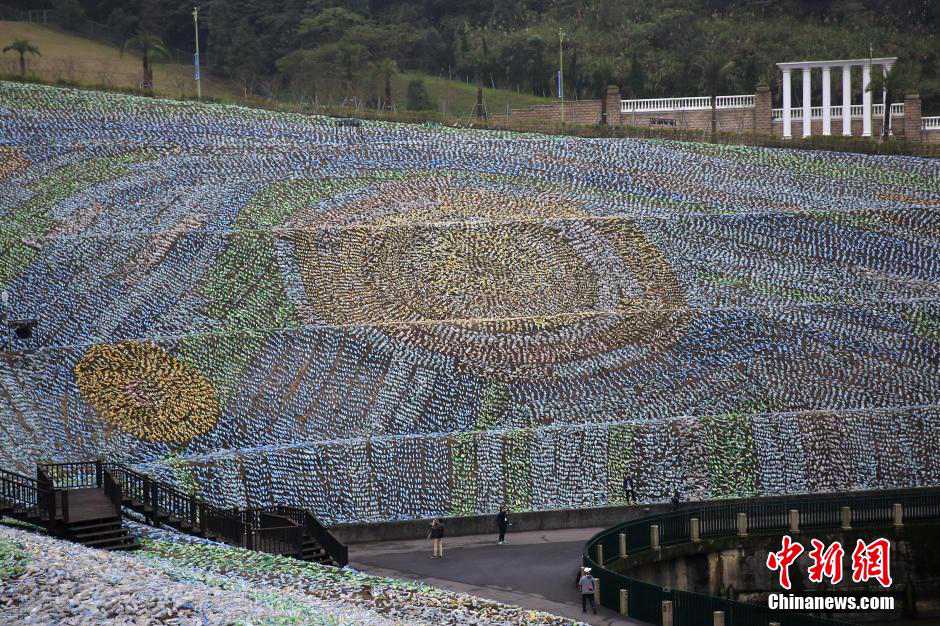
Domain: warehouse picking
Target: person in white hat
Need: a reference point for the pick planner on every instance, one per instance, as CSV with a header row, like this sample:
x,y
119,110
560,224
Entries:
x,y
587,584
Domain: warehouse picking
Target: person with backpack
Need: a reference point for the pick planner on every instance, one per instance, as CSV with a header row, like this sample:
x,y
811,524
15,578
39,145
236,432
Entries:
x,y
587,585
436,535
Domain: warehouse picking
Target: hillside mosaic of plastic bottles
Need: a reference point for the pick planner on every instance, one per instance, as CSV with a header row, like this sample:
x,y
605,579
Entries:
x,y
393,321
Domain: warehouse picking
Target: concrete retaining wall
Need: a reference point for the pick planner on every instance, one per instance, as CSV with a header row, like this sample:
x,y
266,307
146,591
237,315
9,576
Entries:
x,y
486,524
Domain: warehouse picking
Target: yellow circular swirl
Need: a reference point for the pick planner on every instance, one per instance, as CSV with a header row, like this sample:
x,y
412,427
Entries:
x,y
144,391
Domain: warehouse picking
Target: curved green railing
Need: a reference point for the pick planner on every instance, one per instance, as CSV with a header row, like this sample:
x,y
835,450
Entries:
x,y
720,519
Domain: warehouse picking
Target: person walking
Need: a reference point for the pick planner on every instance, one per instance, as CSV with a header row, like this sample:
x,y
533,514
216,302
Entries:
x,y
502,523
586,585
436,535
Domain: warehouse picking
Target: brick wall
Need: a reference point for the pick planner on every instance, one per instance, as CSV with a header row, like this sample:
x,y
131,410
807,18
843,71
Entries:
x,y
912,118
586,112
613,105
763,111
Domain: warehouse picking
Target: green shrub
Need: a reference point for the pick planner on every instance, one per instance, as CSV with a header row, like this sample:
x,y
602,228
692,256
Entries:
x,y
418,98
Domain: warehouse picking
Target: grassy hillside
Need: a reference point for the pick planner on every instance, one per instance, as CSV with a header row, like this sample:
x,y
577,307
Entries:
x,y
80,60
76,59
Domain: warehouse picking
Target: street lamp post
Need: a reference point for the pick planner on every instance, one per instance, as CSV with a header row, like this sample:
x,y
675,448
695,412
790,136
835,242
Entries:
x,y
561,72
196,58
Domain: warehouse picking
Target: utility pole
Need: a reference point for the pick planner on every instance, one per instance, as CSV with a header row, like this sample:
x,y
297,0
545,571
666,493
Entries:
x,y
196,58
561,72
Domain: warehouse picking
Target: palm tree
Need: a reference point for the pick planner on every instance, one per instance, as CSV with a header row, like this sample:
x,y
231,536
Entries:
x,y
895,82
24,47
150,48
383,72
714,72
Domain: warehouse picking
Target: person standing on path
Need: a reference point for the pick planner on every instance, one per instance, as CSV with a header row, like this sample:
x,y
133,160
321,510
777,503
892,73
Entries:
x,y
436,535
586,584
628,494
502,523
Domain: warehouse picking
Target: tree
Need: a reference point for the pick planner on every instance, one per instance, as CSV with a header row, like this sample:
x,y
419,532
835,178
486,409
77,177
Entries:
x,y
151,48
383,71
328,26
418,98
636,78
714,71
893,83
23,47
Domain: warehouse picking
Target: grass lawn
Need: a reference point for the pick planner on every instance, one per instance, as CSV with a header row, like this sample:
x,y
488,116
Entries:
x,y
459,98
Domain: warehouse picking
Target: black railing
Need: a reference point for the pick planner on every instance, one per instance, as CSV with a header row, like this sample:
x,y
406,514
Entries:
x,y
113,490
47,502
81,475
277,529
24,494
272,532
337,551
720,519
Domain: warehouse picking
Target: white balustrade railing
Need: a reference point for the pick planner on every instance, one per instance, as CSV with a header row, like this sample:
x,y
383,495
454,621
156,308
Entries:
x,y
734,102
877,111
699,103
665,104
931,123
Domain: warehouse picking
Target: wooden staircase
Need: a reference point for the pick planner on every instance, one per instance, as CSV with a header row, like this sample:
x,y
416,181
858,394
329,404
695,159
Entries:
x,y
84,502
89,515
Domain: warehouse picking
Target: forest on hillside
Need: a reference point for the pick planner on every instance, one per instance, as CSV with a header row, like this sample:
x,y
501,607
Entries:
x,y
649,49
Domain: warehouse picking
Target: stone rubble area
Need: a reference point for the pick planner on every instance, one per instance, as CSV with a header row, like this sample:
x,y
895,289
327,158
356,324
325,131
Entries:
x,y
176,580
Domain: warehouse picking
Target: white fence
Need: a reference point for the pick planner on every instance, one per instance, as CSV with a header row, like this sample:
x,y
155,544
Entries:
x,y
735,102
931,123
699,103
877,111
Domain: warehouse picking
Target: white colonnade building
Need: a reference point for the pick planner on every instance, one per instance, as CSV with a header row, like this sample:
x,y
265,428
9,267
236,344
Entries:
x,y
827,111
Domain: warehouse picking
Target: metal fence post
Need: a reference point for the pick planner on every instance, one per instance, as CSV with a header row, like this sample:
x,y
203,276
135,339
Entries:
x,y
845,513
654,536
600,554
624,606
695,529
718,618
897,514
742,524
794,519
622,544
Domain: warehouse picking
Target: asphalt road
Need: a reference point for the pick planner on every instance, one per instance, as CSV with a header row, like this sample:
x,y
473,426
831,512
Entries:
x,y
535,570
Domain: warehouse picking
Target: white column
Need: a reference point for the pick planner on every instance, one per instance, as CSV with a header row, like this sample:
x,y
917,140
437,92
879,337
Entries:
x,y
847,100
807,103
786,104
827,101
866,100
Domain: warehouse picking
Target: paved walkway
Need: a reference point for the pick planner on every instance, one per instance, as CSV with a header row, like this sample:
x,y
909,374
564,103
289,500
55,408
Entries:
x,y
534,570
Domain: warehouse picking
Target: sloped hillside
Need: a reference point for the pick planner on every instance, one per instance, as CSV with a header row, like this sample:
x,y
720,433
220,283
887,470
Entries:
x,y
391,321
177,580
